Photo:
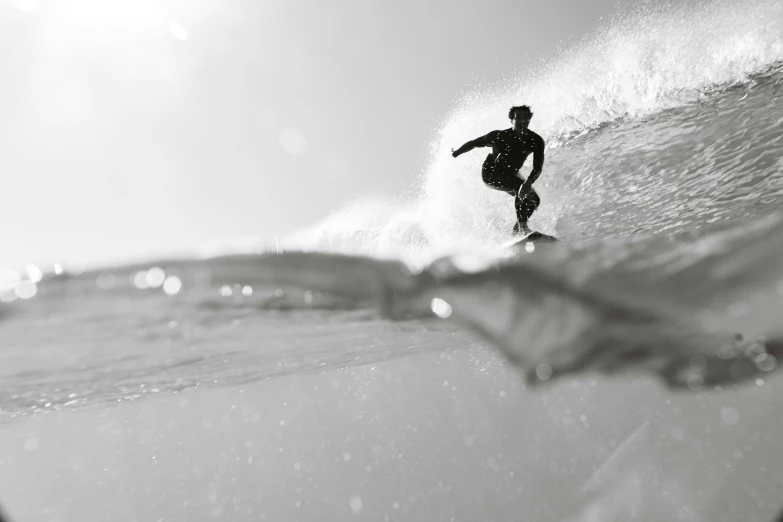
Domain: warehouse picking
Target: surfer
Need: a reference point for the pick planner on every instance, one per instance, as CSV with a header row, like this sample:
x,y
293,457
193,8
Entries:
x,y
510,149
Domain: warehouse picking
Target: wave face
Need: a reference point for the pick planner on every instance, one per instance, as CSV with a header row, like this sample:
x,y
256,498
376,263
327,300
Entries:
x,y
667,118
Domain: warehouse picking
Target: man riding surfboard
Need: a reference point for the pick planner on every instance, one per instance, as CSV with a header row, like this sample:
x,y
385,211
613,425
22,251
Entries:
x,y
510,149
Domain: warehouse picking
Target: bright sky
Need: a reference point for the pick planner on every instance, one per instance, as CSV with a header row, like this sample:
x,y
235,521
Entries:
x,y
138,127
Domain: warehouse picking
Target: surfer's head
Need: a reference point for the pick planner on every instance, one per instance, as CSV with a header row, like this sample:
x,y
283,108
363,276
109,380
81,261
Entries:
x,y
520,116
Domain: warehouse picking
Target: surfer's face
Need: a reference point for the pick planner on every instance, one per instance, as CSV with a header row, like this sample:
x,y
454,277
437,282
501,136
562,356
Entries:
x,y
521,119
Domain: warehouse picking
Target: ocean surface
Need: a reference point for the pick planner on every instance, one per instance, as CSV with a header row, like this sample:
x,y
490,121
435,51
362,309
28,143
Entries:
x,y
402,361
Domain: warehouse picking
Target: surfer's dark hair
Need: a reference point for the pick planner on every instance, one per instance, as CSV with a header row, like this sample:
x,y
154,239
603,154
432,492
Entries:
x,y
513,111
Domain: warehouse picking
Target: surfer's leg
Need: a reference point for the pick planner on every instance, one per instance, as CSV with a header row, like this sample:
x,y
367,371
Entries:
x,y
505,181
510,183
508,186
525,206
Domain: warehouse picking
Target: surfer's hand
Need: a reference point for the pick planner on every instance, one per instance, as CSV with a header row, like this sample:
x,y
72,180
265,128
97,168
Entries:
x,y
454,153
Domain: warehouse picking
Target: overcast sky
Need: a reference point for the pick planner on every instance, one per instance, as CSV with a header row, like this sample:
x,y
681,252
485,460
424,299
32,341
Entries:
x,y
137,127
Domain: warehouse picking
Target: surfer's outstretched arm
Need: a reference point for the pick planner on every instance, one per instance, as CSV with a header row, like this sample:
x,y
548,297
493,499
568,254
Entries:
x,y
483,141
538,166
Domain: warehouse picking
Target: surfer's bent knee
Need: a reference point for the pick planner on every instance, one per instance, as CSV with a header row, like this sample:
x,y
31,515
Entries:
x,y
506,181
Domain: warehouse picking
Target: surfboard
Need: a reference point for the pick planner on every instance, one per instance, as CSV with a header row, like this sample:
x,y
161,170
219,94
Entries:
x,y
530,238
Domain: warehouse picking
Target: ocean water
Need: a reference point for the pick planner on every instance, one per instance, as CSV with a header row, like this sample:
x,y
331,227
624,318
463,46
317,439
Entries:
x,y
399,361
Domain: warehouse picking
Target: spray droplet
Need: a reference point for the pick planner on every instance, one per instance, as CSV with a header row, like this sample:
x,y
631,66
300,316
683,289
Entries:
x,y
356,505
730,416
441,308
543,372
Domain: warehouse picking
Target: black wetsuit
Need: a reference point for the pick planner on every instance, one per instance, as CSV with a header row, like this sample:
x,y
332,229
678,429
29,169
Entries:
x,y
501,168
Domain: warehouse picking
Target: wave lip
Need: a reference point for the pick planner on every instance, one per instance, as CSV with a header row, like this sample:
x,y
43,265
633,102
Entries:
x,y
652,58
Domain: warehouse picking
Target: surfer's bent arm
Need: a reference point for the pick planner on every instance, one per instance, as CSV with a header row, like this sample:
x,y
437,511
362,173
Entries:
x,y
538,165
483,141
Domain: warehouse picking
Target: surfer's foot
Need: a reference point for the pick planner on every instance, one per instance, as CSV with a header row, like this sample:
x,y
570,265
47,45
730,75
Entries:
x,y
520,231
